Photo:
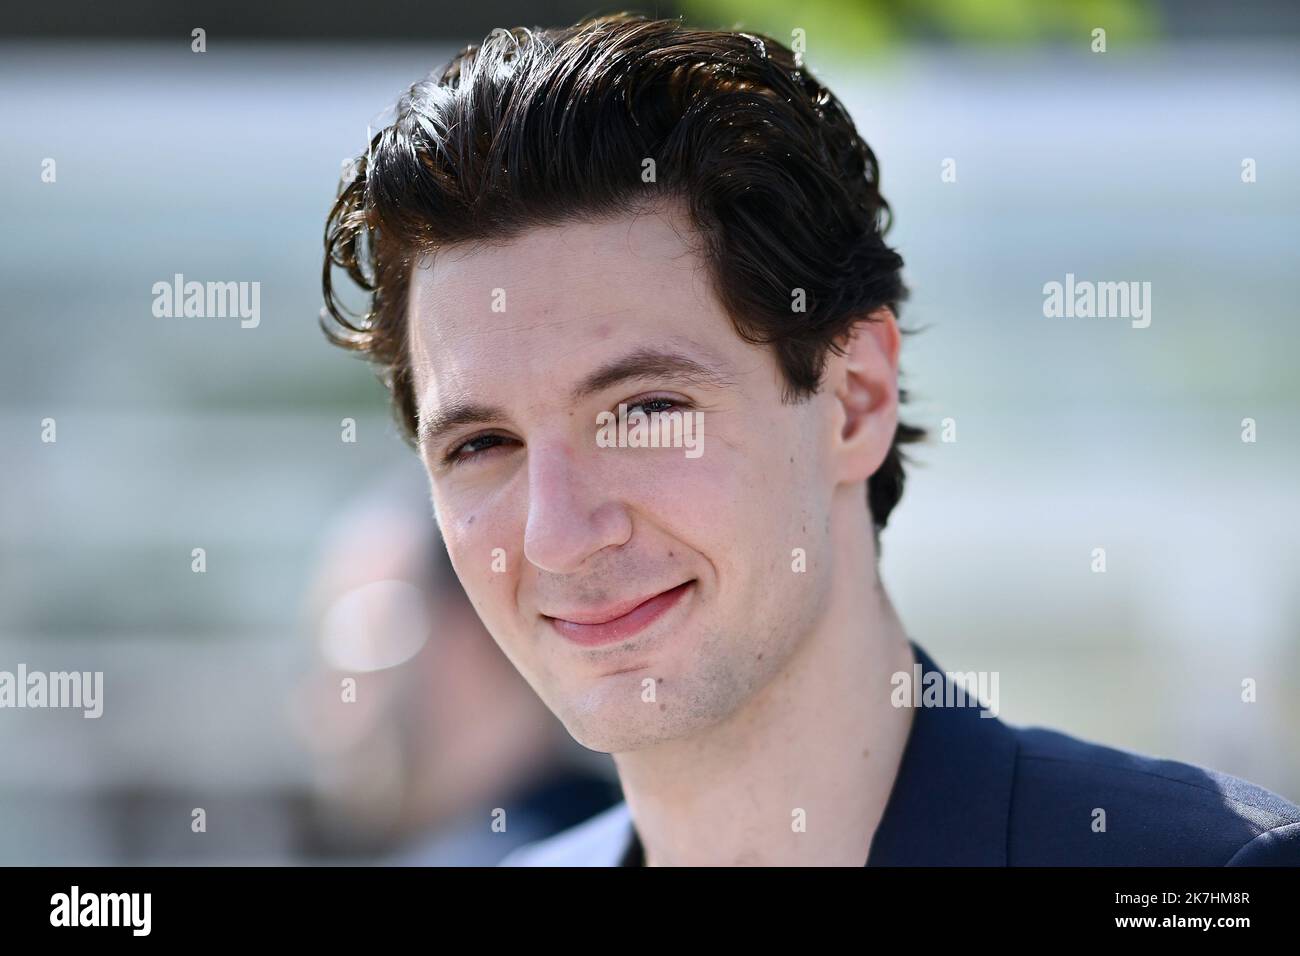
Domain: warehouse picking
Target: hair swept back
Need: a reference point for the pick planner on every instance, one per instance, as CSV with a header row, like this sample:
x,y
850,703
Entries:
x,y
536,127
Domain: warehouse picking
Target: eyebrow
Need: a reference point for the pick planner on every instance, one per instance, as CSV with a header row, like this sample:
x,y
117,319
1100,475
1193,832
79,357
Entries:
x,y
647,362
455,415
641,363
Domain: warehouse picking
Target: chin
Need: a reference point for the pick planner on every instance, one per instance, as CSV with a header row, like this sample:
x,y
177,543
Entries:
x,y
614,719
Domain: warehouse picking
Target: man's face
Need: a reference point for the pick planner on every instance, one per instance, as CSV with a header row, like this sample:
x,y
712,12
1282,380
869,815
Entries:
x,y
559,542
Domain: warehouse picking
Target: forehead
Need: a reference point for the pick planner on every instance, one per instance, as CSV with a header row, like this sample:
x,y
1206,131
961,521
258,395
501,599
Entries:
x,y
559,298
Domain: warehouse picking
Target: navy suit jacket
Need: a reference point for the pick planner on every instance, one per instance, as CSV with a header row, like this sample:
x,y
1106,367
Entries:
x,y
974,791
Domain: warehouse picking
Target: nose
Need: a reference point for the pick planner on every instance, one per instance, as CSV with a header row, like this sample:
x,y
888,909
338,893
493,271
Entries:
x,y
571,516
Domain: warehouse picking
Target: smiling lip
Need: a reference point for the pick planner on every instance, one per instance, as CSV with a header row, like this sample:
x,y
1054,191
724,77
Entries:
x,y
605,627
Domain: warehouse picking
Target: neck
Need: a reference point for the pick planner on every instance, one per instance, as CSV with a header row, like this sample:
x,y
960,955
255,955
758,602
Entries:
x,y
800,775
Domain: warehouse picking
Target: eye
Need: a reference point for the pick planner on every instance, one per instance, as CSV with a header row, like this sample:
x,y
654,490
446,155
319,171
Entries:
x,y
656,403
475,447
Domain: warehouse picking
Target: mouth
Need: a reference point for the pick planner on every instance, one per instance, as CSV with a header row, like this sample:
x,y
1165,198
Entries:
x,y
617,622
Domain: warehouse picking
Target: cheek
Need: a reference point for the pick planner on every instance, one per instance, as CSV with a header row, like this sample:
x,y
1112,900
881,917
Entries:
x,y
484,554
713,503
753,504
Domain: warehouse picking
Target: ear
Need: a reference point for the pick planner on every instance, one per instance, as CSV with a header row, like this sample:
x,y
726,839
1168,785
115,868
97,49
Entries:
x,y
865,381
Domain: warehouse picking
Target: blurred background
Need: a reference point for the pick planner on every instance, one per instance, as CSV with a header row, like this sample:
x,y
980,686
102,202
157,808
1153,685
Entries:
x,y
1012,153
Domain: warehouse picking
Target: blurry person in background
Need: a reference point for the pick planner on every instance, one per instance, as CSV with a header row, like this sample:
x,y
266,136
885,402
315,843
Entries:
x,y
441,754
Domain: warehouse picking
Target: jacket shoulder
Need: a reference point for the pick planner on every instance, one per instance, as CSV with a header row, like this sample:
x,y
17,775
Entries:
x,y
599,841
1075,802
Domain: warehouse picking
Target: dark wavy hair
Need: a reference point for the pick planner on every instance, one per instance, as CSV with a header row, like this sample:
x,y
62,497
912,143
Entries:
x,y
537,127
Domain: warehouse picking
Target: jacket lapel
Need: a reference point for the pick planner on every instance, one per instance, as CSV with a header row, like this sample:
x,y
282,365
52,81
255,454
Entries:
x,y
951,800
